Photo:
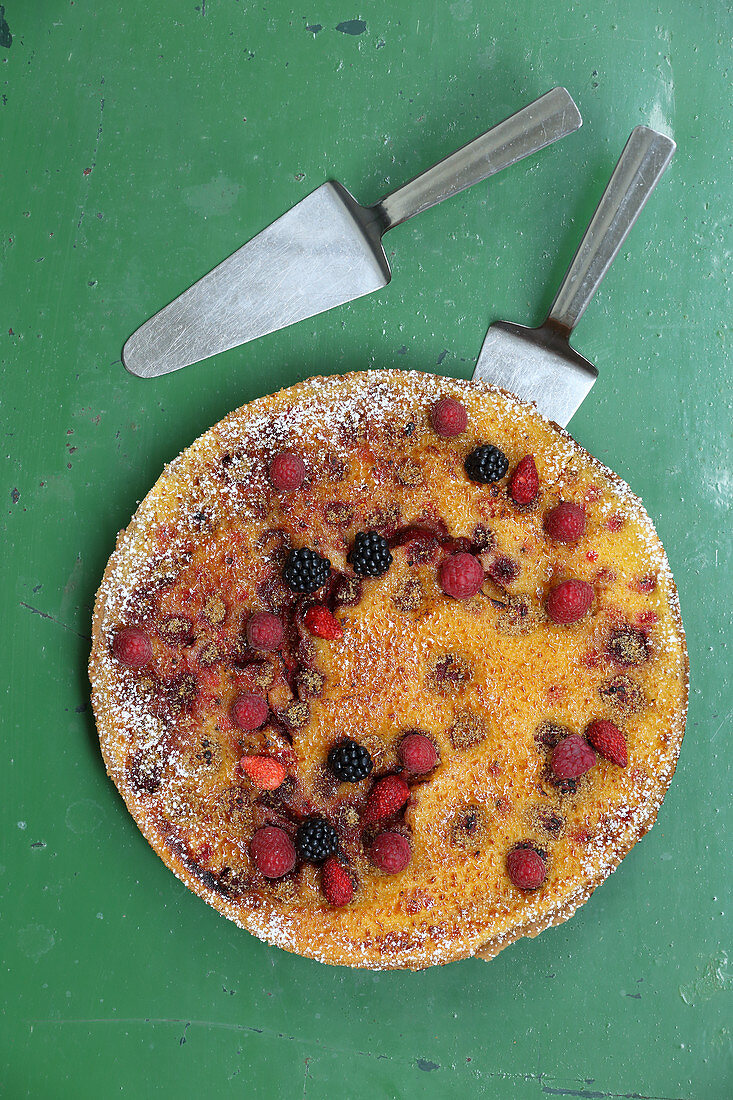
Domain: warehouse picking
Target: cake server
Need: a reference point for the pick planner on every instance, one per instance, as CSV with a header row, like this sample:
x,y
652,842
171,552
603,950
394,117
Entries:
x,y
327,250
538,364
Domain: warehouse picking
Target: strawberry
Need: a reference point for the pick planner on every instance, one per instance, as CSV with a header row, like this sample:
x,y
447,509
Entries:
x,y
526,868
569,601
572,757
609,741
320,622
448,417
272,851
386,797
336,882
390,852
265,772
565,522
524,483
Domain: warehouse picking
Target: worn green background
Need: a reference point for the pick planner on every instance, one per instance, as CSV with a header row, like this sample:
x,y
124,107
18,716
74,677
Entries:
x,y
142,142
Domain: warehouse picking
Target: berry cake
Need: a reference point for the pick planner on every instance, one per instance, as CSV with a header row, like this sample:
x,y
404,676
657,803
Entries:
x,y
389,670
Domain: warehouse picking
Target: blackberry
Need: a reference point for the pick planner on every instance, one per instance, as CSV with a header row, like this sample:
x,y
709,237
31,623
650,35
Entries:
x,y
316,839
486,464
349,761
370,556
305,570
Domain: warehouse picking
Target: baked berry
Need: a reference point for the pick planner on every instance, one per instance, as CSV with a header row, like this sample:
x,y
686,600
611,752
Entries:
x,y
418,753
461,576
609,741
628,646
390,852
336,881
386,797
526,868
264,630
305,570
370,556
565,522
349,761
569,601
322,624
316,839
263,771
249,712
132,647
272,851
448,417
486,464
524,483
287,471
572,757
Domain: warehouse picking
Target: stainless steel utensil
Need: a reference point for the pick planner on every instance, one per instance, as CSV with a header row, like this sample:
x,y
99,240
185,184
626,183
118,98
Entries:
x,y
327,250
538,364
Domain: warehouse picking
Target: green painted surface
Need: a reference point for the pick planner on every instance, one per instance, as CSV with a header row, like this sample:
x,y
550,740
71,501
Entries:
x,y
140,144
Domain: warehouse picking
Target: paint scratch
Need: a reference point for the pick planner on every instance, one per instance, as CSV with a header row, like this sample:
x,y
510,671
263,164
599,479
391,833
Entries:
x,y
44,615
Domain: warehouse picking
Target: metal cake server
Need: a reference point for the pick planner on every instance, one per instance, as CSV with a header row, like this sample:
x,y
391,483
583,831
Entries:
x,y
327,250
538,364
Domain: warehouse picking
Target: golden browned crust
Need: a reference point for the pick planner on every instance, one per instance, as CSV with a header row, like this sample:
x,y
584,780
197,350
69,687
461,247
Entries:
x,y
373,460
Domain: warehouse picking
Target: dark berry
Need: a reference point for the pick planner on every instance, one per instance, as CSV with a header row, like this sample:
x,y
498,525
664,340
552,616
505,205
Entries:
x,y
349,761
316,839
486,464
305,570
370,556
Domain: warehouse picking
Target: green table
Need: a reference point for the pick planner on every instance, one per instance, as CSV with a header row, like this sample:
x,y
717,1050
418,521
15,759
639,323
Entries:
x,y
141,142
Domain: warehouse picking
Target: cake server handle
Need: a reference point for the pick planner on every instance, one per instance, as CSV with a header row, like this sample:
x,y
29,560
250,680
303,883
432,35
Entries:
x,y
640,168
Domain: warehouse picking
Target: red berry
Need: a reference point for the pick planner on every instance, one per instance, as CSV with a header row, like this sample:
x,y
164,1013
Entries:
x,y
248,712
609,741
386,797
390,852
525,481
526,868
460,575
322,623
572,757
132,647
418,753
336,882
287,471
264,630
448,417
265,773
565,522
273,851
569,601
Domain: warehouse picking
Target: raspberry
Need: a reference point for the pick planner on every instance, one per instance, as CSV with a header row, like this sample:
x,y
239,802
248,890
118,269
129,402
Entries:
x,y
460,576
265,773
390,852
572,757
386,797
316,839
287,471
264,630
609,741
486,464
524,483
565,522
321,622
526,868
272,851
132,647
569,601
305,570
448,417
418,753
370,556
248,712
349,761
336,882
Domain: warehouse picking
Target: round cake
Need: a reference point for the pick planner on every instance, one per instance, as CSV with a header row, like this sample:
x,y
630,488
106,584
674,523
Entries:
x,y
389,670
